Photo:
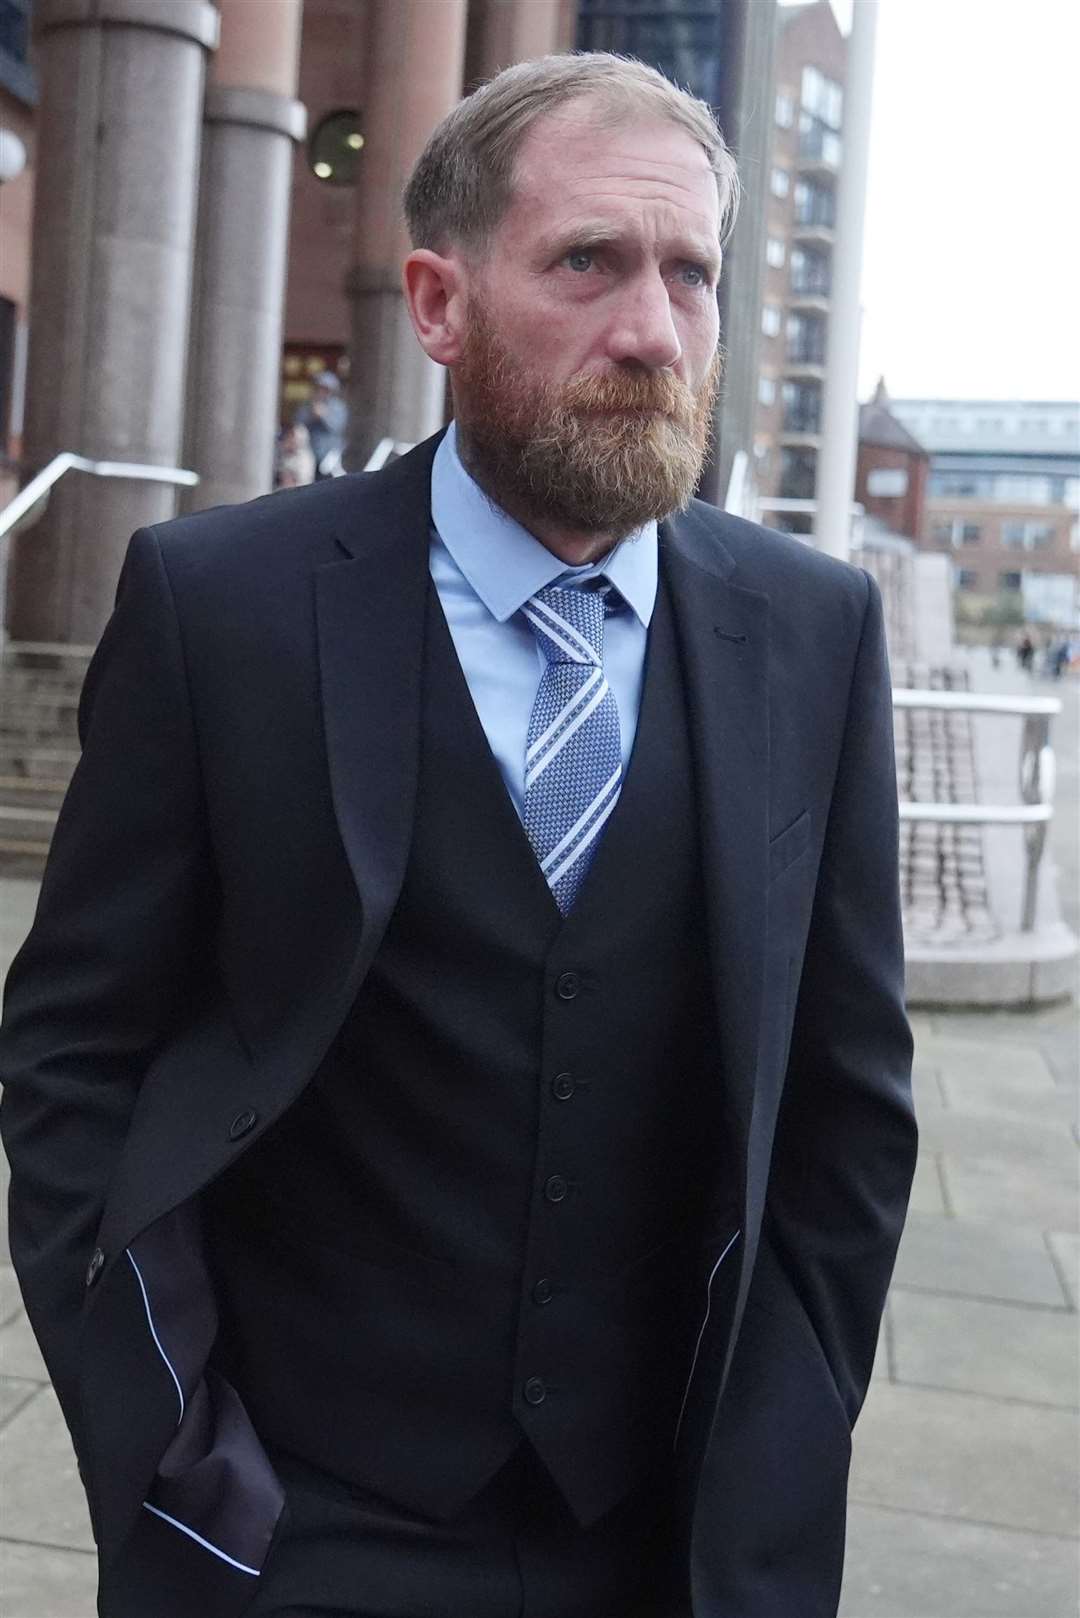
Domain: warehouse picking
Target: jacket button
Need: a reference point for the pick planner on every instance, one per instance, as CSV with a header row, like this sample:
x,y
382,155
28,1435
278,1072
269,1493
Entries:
x,y
567,985
543,1291
534,1391
242,1123
563,1086
95,1266
555,1188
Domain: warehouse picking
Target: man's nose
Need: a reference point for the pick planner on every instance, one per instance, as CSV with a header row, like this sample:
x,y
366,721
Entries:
x,y
643,329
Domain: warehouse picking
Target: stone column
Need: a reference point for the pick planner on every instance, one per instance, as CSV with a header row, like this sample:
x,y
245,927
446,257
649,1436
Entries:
x,y
114,223
502,32
414,66
251,120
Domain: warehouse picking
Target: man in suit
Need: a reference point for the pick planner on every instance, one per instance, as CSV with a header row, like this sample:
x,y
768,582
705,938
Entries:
x,y
457,1080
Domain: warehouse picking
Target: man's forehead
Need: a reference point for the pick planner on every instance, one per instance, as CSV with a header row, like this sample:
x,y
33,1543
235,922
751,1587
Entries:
x,y
577,155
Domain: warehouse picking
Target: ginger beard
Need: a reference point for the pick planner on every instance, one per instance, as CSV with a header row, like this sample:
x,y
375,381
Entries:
x,y
598,454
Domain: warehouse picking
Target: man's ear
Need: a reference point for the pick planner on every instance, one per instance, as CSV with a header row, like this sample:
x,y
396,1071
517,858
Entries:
x,y
435,292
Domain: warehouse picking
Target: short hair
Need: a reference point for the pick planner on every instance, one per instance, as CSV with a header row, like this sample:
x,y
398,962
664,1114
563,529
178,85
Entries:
x,y
463,180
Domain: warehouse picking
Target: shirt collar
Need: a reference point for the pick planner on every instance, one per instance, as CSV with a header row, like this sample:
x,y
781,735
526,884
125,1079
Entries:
x,y
505,564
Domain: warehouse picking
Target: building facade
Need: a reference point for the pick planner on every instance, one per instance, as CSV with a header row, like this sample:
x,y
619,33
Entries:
x,y
806,152
1003,501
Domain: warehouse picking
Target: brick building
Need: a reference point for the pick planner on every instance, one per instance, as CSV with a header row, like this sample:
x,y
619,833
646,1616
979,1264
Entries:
x,y
891,470
811,58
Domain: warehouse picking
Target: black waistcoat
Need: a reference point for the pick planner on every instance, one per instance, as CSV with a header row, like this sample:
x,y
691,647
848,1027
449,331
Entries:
x,y
477,1222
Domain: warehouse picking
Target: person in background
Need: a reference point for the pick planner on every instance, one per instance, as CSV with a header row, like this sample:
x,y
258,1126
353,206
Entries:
x,y
294,458
325,415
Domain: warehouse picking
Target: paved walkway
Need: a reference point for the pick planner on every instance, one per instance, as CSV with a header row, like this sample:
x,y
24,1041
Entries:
x,y
964,1489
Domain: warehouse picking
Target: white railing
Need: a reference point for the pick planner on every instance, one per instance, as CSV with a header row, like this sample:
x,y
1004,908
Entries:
x,y
1037,777
21,510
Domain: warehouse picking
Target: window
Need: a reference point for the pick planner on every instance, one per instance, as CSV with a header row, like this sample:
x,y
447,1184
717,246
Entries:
x,y
1028,536
798,474
966,578
1022,489
766,390
806,338
770,319
941,533
1009,581
814,204
334,146
887,482
810,271
15,71
802,407
775,252
818,144
822,97
961,485
970,533
779,182
785,110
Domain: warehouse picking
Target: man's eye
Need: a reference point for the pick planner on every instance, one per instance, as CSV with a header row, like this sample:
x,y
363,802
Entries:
x,y
580,259
694,275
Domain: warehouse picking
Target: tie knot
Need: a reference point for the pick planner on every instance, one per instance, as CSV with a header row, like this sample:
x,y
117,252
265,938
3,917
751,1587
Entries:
x,y
569,624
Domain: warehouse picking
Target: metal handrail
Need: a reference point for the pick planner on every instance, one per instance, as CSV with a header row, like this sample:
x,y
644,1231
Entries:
x,y
1038,773
37,490
383,451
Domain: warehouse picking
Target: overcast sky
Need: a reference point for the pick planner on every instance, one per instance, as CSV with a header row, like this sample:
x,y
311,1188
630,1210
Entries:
x,y
971,264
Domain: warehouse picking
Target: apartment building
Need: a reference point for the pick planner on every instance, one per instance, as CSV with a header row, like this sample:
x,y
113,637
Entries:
x,y
806,153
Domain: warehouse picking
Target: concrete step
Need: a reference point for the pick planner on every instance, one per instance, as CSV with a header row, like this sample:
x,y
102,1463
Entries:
x,y
50,764
31,792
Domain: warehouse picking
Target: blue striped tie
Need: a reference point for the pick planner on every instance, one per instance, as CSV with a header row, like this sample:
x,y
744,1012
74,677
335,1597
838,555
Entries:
x,y
573,758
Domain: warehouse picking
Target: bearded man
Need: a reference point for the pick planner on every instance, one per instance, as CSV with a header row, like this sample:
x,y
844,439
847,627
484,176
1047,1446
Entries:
x,y
458,1081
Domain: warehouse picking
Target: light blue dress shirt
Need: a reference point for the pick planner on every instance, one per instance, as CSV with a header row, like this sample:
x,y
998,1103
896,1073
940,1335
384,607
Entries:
x,y
485,567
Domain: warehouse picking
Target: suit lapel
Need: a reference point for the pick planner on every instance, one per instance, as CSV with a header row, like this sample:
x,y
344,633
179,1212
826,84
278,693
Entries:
x,y
723,633
370,609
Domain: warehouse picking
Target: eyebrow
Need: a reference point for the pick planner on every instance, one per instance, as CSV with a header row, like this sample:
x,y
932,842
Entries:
x,y
599,234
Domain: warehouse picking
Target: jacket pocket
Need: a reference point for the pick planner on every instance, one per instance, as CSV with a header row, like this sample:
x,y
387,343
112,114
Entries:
x,y
786,846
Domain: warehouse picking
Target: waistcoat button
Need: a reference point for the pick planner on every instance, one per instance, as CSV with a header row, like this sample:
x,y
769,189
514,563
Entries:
x,y
563,1086
535,1391
242,1123
555,1188
567,985
543,1291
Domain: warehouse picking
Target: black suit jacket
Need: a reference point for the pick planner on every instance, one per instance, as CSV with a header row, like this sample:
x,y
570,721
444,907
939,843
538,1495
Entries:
x,y
222,873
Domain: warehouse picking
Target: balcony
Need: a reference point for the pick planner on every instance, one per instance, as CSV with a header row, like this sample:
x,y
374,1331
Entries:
x,y
813,234
819,150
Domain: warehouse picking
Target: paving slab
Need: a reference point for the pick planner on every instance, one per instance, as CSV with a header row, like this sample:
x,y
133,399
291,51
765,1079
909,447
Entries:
x,y
1008,1095
926,1089
983,1460
10,1297
905,1565
43,1499
1007,1350
926,1191
19,1353
14,1393
987,1062
37,1583
1066,1251
987,1135
986,1187
976,1259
